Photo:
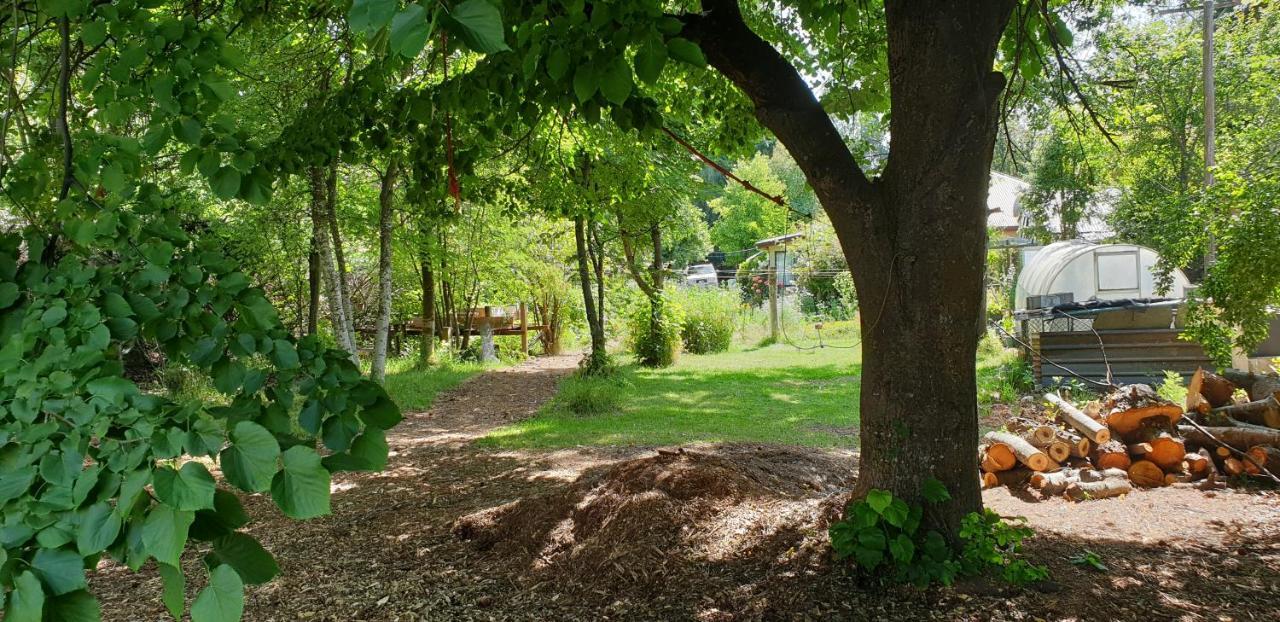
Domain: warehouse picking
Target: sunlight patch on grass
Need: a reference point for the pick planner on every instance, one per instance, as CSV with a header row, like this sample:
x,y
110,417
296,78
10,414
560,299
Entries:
x,y
776,394
415,389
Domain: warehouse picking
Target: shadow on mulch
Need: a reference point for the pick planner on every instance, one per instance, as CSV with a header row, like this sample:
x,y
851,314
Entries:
x,y
740,534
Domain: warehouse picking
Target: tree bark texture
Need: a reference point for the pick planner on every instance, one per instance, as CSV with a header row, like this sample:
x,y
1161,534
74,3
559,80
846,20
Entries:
x,y
320,230
428,310
915,238
386,199
585,268
339,254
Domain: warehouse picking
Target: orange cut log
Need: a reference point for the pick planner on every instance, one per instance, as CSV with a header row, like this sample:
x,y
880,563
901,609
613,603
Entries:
x,y
1196,464
998,457
1164,449
1146,474
1233,466
1110,455
1130,407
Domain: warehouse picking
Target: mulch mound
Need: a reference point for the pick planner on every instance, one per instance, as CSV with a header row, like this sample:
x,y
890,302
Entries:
x,y
635,524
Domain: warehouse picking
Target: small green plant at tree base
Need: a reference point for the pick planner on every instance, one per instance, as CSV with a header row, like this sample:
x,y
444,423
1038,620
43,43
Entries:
x,y
1090,559
990,542
883,531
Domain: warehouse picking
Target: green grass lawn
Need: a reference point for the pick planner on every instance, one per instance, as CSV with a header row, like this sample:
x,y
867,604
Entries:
x,y
775,394
415,389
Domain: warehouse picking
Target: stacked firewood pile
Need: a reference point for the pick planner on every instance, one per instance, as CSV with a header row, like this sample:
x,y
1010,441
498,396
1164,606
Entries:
x,y
1230,424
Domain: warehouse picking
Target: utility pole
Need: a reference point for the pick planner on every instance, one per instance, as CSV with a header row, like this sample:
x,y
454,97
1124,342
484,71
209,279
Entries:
x,y
1209,9
773,301
1210,133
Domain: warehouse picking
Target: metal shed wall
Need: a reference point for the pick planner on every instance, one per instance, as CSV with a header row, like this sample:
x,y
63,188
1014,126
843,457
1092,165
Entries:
x,y
1135,355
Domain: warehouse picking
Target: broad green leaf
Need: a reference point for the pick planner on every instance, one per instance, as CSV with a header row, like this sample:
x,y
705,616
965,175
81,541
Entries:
x,y
175,589
60,570
226,516
188,130
99,526
164,534
93,33
896,513
867,558
77,606
409,31
243,553
26,601
935,491
872,538
585,83
479,24
15,483
116,306
228,376
616,82
368,16
650,60
878,500
381,414
53,316
368,452
558,63
284,355
8,294
222,600
686,51
113,179
189,488
250,461
301,488
339,431
112,389
902,549
225,183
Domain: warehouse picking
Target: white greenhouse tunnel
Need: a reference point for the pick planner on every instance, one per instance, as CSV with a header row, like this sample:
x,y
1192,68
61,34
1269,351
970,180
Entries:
x,y
1093,271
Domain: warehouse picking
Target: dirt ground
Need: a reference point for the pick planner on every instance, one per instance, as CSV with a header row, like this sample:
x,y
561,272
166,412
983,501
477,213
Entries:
x,y
452,531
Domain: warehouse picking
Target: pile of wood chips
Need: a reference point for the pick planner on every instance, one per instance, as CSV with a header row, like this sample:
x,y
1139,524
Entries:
x,y
1230,424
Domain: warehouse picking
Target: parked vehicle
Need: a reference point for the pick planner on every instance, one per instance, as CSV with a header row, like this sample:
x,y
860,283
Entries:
x,y
701,275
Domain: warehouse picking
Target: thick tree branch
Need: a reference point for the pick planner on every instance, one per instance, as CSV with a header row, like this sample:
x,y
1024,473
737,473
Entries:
x,y
783,102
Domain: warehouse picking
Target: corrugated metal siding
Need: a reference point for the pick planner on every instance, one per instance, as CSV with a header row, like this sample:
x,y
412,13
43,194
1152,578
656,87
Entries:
x,y
1135,355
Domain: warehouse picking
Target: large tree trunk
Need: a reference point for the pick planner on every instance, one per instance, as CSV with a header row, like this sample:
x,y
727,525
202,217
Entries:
x,y
914,239
386,196
597,356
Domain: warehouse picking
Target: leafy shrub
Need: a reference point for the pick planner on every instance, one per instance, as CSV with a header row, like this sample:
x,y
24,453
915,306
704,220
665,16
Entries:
x,y
709,318
590,395
654,332
881,531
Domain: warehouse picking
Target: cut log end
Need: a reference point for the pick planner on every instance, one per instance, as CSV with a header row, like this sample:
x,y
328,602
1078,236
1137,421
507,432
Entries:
x,y
1146,474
